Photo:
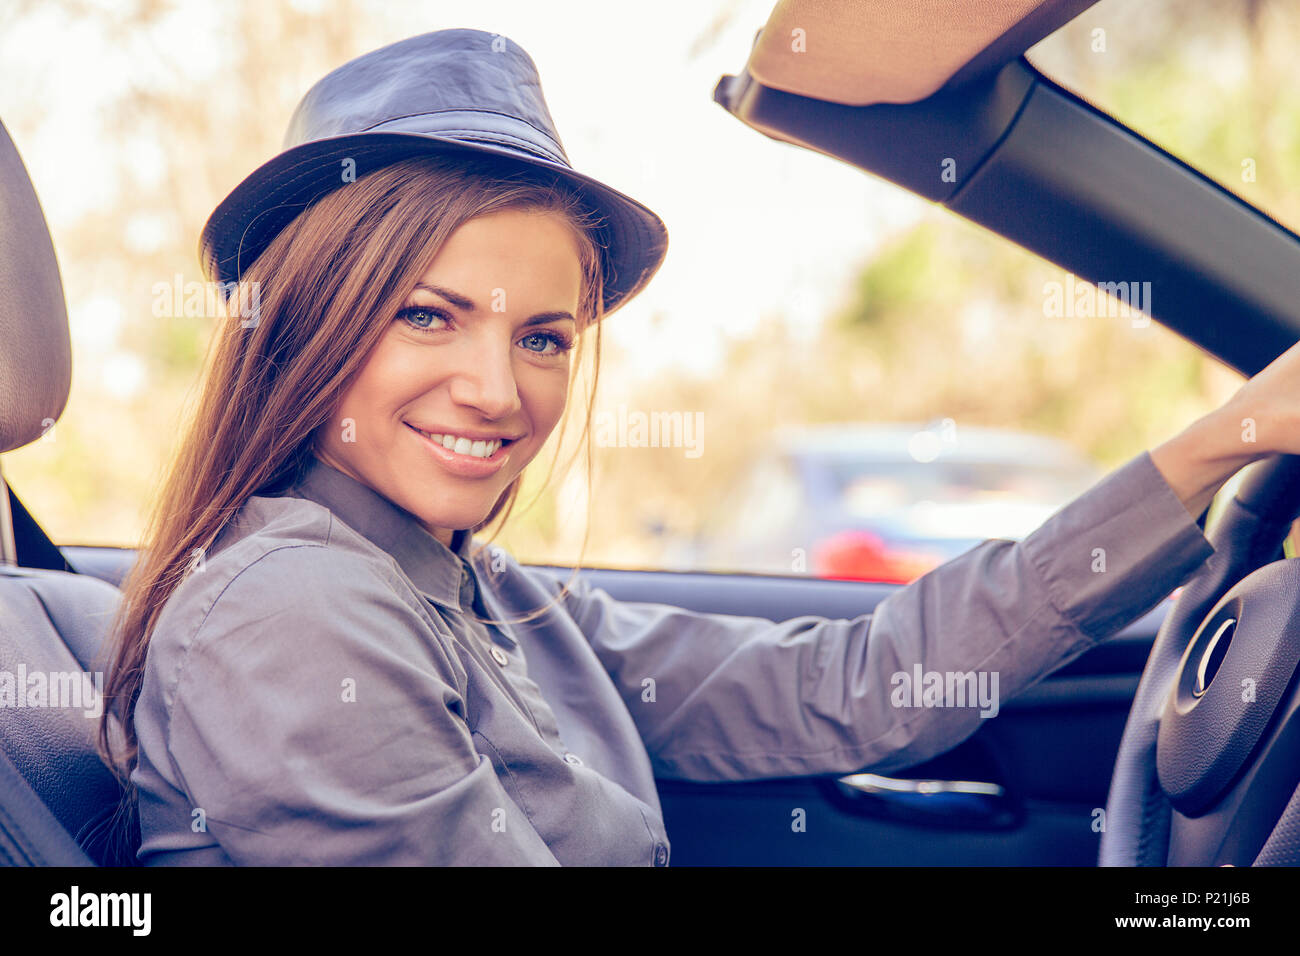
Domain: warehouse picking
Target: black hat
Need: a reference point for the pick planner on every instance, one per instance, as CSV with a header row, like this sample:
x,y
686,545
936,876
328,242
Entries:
x,y
451,91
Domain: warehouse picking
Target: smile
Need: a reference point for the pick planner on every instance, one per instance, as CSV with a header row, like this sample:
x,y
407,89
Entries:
x,y
463,446
463,456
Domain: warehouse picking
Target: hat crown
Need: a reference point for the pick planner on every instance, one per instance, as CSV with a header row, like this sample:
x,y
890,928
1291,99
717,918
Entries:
x,y
451,92
464,84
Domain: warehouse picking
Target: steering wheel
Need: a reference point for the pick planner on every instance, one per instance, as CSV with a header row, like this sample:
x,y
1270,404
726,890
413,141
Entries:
x,y
1210,758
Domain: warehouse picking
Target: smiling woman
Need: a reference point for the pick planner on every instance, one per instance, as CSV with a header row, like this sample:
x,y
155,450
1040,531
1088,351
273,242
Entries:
x,y
362,343
312,664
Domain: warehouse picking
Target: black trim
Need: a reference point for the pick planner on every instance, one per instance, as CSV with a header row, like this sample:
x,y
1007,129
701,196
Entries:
x,y
1041,167
35,549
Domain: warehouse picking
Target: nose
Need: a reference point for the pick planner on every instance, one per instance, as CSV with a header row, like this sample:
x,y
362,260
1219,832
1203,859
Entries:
x,y
487,379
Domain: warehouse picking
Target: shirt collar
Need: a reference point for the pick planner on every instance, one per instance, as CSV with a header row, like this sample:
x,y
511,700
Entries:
x,y
442,574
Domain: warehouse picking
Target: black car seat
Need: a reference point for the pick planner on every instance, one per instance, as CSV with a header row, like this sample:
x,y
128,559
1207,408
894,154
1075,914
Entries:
x,y
56,795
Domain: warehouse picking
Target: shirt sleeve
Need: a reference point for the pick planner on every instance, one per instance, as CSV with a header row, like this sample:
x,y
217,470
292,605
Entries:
x,y
316,720
733,697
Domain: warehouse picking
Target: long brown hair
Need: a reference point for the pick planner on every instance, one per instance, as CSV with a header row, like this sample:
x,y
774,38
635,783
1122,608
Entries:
x,y
328,287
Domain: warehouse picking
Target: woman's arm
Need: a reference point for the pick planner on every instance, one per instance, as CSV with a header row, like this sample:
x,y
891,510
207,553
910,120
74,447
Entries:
x,y
743,697
723,697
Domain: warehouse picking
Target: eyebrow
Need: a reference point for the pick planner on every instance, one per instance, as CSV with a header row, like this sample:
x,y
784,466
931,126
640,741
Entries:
x,y
467,305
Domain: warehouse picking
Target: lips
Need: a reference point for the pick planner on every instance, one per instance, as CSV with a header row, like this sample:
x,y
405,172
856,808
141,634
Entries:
x,y
463,444
465,466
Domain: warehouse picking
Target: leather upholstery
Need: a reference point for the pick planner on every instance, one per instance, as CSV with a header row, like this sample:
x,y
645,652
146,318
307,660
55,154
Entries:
x,y
36,358
53,785
54,622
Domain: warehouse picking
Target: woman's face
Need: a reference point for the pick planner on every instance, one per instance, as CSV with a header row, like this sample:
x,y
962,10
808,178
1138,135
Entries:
x,y
479,352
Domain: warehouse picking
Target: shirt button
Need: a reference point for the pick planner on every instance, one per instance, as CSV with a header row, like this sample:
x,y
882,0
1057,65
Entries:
x,y
573,759
499,656
661,855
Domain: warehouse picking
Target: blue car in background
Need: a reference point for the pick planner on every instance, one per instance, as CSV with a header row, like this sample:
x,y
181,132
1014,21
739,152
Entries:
x,y
887,502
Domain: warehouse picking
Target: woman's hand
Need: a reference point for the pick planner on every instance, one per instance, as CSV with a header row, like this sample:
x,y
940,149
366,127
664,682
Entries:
x,y
1266,409
1261,419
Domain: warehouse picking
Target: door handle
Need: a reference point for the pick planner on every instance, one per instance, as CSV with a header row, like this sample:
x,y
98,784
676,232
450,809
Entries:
x,y
947,803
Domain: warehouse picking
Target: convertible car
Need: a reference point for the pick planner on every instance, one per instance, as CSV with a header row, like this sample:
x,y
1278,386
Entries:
x,y
1138,752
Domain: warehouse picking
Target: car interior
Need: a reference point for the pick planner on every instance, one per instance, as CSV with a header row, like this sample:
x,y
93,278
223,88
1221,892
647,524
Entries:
x,y
1145,733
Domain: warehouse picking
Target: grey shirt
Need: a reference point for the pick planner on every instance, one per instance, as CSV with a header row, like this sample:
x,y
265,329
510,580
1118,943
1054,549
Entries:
x,y
317,691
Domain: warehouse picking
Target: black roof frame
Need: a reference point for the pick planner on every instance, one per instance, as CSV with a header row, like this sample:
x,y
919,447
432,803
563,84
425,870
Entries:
x,y
1041,167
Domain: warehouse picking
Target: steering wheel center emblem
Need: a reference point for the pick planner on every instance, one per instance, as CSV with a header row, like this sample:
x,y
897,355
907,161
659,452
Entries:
x,y
1212,656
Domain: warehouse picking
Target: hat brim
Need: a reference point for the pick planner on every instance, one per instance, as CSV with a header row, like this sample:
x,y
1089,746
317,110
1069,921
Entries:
x,y
633,240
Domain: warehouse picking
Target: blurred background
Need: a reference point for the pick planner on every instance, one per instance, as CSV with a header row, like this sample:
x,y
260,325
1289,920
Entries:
x,y
865,385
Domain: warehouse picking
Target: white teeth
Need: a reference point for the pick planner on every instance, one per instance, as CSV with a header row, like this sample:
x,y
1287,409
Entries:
x,y
465,446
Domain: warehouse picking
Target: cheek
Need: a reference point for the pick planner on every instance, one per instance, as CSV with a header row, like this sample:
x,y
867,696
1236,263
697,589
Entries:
x,y
543,396
384,384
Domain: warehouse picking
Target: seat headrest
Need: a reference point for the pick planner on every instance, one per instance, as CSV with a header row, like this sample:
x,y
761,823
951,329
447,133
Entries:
x,y
35,350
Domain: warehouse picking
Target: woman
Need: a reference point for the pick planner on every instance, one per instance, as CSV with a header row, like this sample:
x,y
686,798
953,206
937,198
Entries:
x,y
314,664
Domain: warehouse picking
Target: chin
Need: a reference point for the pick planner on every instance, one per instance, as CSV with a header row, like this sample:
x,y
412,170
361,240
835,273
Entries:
x,y
467,509
455,520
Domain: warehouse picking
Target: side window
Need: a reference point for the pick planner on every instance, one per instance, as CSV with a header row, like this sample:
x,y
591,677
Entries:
x,y
774,497
756,528
800,294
